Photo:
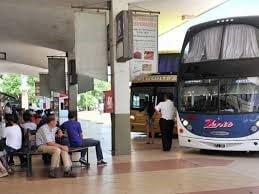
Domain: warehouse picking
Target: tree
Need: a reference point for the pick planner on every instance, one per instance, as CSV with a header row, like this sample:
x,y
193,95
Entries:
x,y
82,101
99,87
91,98
11,84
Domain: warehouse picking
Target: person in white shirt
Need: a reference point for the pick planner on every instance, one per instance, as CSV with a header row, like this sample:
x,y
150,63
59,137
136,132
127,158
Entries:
x,y
8,109
167,111
13,135
28,124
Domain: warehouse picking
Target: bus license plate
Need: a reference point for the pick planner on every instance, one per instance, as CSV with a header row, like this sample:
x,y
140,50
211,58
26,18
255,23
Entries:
x,y
220,145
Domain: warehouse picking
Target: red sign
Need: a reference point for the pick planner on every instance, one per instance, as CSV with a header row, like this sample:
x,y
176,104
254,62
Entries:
x,y
62,95
213,124
108,102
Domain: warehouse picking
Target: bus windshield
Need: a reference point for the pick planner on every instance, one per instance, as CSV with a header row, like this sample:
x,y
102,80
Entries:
x,y
227,95
199,96
141,95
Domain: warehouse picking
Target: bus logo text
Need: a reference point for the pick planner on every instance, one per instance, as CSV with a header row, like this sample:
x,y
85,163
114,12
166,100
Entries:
x,y
213,124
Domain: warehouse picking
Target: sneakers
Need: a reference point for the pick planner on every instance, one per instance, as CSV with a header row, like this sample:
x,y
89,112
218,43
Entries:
x,y
3,174
11,163
83,161
101,163
10,171
69,174
52,174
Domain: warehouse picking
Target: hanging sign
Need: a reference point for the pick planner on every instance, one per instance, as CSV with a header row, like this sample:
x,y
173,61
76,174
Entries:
x,y
108,102
145,45
124,37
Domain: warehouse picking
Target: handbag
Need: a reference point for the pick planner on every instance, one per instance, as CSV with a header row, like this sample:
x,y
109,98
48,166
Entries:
x,y
2,144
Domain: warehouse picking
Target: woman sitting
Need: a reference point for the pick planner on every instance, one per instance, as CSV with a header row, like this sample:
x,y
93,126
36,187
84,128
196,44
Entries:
x,y
13,135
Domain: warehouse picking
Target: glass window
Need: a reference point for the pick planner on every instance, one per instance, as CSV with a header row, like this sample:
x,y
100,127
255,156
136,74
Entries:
x,y
161,91
199,96
140,96
239,95
234,42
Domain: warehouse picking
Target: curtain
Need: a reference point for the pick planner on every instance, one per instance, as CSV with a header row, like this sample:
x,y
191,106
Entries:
x,y
205,45
196,49
240,42
168,63
212,39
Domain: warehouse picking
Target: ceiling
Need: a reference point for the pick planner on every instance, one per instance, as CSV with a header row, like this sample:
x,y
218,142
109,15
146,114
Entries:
x,y
30,30
171,11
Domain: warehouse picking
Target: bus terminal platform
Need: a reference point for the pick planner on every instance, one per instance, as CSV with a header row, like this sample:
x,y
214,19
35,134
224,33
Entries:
x,y
147,170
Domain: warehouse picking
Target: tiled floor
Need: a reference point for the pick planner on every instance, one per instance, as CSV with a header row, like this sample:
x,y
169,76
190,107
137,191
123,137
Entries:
x,y
147,170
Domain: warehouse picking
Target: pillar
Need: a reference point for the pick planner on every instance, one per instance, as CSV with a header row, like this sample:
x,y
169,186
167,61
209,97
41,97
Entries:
x,y
24,92
121,143
72,89
72,94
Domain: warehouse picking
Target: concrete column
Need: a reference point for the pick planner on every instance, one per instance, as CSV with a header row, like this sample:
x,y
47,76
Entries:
x,y
72,93
72,89
24,91
121,143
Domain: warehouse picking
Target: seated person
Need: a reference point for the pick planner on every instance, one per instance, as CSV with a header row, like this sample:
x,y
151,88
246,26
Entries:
x,y
4,167
75,136
13,135
44,118
36,119
3,171
45,140
28,124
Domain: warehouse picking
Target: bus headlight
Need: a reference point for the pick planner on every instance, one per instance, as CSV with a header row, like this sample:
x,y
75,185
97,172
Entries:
x,y
132,117
257,123
189,127
185,123
254,128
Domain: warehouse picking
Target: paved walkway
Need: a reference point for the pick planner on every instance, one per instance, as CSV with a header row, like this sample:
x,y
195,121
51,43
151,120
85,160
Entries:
x,y
147,170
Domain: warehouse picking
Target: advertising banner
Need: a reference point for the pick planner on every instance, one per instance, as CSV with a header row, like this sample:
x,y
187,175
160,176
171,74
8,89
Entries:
x,y
145,45
108,102
57,75
44,85
91,44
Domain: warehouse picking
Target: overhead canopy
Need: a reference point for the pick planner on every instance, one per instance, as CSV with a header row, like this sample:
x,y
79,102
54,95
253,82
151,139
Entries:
x,y
32,29
10,67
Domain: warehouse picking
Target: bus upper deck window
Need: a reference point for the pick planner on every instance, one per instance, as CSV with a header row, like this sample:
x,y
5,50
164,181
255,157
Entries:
x,y
205,45
236,41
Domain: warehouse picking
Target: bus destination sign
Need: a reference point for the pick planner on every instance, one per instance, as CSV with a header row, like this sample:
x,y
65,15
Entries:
x,y
155,78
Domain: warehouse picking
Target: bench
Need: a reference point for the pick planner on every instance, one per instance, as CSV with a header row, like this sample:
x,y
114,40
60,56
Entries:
x,y
31,150
29,153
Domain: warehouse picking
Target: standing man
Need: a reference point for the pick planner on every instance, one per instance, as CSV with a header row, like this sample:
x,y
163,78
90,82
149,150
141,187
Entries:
x,y
45,140
168,112
75,135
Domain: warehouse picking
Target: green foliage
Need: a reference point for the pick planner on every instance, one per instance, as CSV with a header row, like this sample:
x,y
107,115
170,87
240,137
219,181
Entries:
x,y
91,98
11,84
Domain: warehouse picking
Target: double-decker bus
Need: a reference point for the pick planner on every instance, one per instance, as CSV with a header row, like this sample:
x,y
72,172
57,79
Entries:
x,y
149,87
218,96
